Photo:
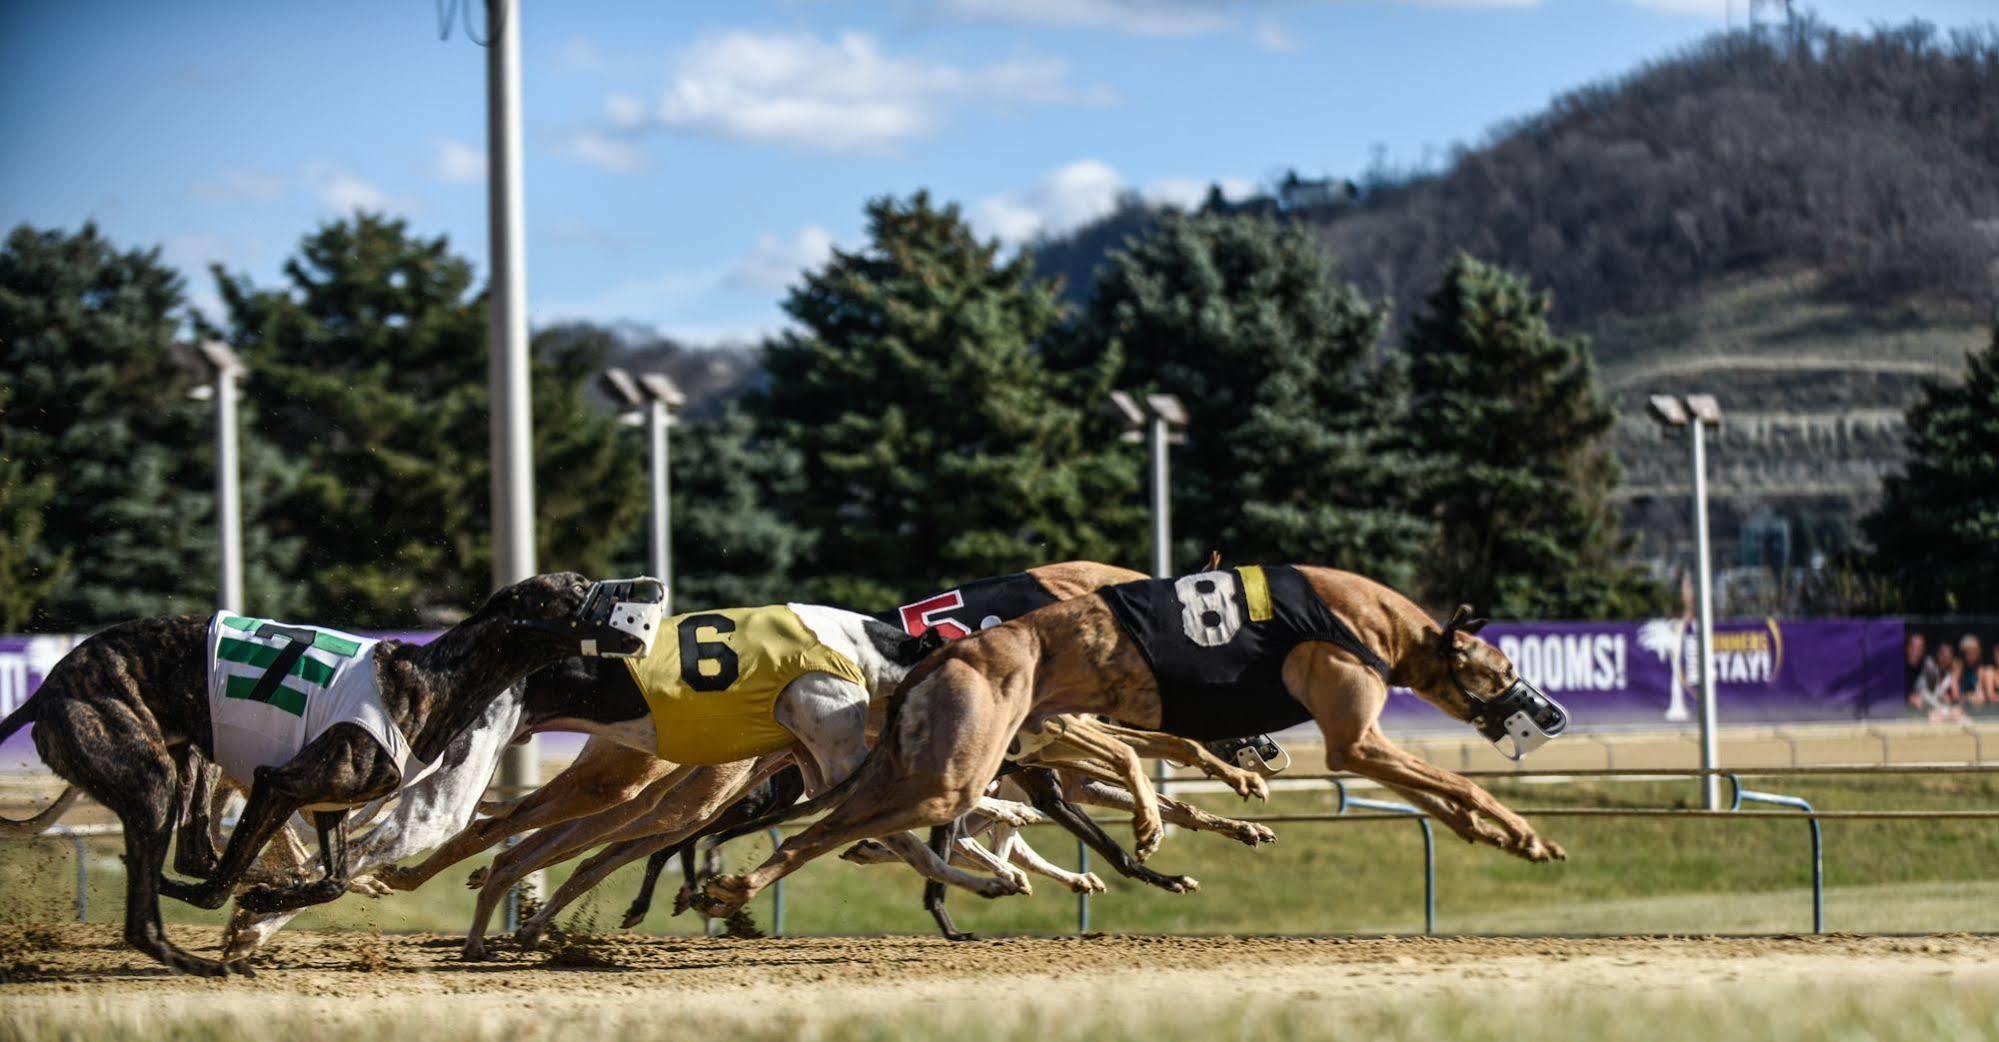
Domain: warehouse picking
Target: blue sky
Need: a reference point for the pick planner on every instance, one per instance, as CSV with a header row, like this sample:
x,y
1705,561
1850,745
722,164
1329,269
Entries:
x,y
683,161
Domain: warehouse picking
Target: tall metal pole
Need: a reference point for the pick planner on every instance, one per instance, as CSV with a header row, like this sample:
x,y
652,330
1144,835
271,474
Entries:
x,y
1704,598
658,417
507,343
1162,519
228,494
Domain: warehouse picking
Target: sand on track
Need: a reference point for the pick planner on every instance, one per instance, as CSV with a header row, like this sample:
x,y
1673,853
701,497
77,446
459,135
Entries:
x,y
86,972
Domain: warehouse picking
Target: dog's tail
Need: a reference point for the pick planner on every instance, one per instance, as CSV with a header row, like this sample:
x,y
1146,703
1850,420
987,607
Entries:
x,y
16,720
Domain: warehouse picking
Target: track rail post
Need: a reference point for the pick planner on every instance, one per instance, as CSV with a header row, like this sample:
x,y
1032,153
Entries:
x,y
1818,838
1429,844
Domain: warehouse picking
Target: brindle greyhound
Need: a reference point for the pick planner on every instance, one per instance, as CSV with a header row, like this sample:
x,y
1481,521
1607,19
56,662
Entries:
x,y
953,717
112,714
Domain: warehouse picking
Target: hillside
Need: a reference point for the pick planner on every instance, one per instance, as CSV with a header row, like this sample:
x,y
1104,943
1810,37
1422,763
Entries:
x,y
1803,221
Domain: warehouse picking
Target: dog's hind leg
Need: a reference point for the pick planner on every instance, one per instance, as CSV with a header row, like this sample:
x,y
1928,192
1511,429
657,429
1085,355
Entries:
x,y
112,748
603,775
707,792
942,839
1046,795
1185,815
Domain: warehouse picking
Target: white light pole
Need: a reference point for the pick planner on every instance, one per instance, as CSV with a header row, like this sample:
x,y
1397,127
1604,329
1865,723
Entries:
x,y
511,441
224,369
1160,422
1696,412
652,399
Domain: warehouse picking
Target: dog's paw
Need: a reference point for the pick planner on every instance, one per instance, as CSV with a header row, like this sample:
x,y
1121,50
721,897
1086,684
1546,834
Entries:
x,y
1148,831
529,933
684,898
1251,834
721,896
369,886
474,951
1088,883
997,886
868,852
477,879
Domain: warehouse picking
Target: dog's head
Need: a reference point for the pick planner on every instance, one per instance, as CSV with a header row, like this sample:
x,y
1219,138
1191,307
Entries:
x,y
619,617
1481,683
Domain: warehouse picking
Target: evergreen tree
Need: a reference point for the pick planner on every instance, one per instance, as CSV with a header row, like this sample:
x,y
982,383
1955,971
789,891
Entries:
x,y
1510,431
368,367
1938,523
97,414
1288,456
938,444
24,507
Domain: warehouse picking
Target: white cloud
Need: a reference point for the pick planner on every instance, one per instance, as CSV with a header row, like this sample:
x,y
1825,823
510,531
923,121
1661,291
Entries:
x,y
1069,196
239,186
843,94
774,262
458,162
344,191
1080,192
606,152
1139,17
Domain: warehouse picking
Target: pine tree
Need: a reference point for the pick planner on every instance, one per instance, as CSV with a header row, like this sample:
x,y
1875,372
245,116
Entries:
x,y
1288,456
1510,433
1935,531
24,504
368,369
938,444
97,407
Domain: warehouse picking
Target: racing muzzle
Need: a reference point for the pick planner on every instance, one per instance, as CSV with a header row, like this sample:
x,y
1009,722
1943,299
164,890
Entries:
x,y
1522,715
618,618
1259,753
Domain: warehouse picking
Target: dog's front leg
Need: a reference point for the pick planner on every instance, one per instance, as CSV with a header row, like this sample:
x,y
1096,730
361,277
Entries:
x,y
270,805
332,828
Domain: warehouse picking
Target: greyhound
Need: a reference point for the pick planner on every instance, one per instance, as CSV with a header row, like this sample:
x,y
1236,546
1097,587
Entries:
x,y
112,713
649,805
1280,645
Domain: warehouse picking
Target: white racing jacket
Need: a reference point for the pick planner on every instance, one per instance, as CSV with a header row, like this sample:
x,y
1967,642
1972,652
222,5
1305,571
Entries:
x,y
267,699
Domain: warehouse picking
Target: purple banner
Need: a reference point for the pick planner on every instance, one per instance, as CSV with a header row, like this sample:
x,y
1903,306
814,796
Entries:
x,y
1639,673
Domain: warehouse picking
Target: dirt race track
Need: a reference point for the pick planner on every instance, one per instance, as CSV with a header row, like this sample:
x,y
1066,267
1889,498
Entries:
x,y
71,980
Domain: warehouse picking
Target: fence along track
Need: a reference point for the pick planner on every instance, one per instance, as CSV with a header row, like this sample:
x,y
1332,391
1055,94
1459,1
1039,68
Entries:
x,y
1381,810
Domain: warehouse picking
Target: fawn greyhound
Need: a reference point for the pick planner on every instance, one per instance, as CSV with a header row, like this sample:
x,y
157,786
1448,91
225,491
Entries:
x,y
1217,653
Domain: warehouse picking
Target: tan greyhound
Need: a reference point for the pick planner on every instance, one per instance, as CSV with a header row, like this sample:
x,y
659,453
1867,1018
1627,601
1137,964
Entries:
x,y
1323,644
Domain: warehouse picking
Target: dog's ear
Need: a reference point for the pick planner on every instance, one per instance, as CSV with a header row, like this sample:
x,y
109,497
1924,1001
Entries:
x,y
917,648
1214,561
1461,621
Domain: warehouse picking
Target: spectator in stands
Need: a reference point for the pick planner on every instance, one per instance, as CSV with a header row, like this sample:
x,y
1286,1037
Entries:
x,y
1943,701
1919,670
1971,671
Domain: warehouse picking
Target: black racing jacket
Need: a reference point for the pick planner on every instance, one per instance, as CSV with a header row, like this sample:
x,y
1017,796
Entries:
x,y
1216,642
975,606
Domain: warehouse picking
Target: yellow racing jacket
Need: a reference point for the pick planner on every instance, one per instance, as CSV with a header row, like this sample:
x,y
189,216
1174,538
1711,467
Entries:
x,y
713,678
